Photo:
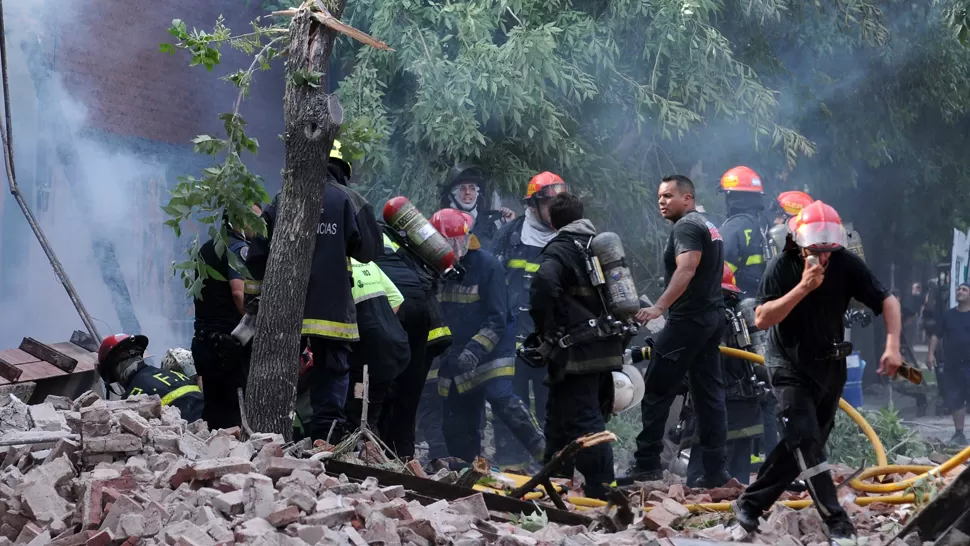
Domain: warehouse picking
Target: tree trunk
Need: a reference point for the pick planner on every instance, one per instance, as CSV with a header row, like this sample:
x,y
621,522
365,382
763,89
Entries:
x,y
311,118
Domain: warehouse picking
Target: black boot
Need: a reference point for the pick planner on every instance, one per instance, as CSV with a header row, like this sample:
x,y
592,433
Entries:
x,y
746,517
841,527
637,475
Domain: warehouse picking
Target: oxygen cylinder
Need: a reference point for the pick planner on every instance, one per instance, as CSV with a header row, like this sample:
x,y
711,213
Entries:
x,y
620,292
855,241
778,235
422,237
759,338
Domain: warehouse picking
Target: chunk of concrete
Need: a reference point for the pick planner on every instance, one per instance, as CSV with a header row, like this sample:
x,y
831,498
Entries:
x,y
134,423
43,503
258,496
112,443
45,417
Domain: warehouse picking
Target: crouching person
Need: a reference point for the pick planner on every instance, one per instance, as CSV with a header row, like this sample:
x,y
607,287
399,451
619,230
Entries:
x,y
121,360
563,302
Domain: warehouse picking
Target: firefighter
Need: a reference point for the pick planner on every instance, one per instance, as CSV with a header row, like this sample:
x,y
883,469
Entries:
x,y
518,246
743,231
803,298
465,189
221,362
480,363
347,228
742,395
383,345
121,360
564,303
420,316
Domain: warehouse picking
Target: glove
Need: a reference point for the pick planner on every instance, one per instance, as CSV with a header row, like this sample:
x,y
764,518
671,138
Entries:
x,y
467,361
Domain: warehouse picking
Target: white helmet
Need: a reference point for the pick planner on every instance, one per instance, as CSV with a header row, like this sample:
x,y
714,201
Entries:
x,y
179,360
628,388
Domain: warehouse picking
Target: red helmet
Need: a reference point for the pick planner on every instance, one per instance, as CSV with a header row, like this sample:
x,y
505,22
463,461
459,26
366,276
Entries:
x,y
545,185
741,179
452,223
818,227
727,280
792,202
110,346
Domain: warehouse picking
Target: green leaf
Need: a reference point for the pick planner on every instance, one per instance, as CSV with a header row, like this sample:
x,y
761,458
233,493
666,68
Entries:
x,y
211,271
166,48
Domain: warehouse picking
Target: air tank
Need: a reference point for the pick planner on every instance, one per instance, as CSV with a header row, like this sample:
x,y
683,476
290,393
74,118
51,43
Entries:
x,y
620,291
422,237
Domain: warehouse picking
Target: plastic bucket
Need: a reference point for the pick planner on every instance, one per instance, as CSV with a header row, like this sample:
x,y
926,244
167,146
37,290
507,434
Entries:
x,y
852,393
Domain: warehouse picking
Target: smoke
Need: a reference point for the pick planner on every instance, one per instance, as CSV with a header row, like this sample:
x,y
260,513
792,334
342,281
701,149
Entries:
x,y
112,191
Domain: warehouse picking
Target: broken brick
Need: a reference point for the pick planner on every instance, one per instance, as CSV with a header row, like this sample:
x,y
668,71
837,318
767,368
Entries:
x,y
284,517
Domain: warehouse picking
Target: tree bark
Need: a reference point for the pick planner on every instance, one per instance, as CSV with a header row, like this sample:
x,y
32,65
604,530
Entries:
x,y
311,118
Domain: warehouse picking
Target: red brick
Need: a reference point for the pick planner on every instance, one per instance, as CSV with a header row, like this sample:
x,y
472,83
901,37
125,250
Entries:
x,y
284,517
414,467
91,506
104,538
658,518
28,533
216,468
73,540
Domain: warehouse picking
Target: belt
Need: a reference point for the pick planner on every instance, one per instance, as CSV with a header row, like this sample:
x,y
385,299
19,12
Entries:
x,y
837,351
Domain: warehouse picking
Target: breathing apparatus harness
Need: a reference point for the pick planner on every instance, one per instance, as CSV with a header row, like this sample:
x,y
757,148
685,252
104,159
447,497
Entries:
x,y
537,349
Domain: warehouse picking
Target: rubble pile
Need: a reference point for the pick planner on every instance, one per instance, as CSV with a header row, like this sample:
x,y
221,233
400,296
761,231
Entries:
x,y
91,471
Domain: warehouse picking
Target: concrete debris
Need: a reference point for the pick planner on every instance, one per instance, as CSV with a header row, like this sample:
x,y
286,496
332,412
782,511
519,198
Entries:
x,y
134,472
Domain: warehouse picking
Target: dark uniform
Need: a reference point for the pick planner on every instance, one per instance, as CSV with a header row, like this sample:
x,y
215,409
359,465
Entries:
x,y
219,359
173,388
743,402
347,229
420,316
688,345
476,310
521,264
807,366
563,301
744,251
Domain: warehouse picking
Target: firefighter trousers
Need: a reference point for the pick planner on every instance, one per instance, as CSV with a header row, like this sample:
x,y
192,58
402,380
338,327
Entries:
x,y
687,345
739,461
528,384
807,406
398,418
575,409
376,401
430,421
329,379
220,363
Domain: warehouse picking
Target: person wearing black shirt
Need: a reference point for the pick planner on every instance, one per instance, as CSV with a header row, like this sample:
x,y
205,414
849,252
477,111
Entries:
x,y
219,359
803,297
688,344
953,329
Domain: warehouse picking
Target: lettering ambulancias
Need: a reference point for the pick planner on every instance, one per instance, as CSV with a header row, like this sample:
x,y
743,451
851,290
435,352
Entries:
x,y
327,228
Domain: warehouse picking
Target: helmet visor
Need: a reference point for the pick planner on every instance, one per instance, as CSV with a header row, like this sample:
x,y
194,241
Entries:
x,y
459,244
820,236
552,190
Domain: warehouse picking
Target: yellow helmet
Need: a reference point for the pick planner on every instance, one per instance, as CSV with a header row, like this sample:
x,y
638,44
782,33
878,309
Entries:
x,y
337,158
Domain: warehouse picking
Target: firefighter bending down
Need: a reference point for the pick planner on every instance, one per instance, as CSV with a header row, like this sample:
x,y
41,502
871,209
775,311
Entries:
x,y
803,297
480,363
564,304
121,360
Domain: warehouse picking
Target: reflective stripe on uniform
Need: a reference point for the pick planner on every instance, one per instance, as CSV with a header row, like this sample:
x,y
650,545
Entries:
x,y
747,432
459,294
432,376
439,333
170,397
754,259
444,385
331,329
486,338
253,288
389,243
528,266
594,364
371,295
490,370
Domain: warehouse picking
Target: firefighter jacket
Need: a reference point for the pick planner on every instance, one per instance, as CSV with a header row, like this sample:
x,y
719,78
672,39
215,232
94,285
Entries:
x,y
476,310
744,251
563,301
742,392
521,263
175,389
346,229
416,281
383,343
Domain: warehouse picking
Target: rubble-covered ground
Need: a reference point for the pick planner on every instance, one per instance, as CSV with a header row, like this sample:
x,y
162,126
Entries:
x,y
111,472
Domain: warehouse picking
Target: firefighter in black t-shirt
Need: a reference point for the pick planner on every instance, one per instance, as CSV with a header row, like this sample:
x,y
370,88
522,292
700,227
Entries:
x,y
688,344
121,360
803,297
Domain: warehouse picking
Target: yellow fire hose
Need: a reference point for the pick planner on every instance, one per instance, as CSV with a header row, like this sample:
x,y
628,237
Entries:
x,y
882,468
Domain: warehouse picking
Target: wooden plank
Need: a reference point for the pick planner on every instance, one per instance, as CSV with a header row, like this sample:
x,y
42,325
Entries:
x,y
9,372
17,357
438,490
48,354
36,371
86,360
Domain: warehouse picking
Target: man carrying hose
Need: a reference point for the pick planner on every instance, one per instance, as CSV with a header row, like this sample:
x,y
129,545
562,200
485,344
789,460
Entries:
x,y
803,296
